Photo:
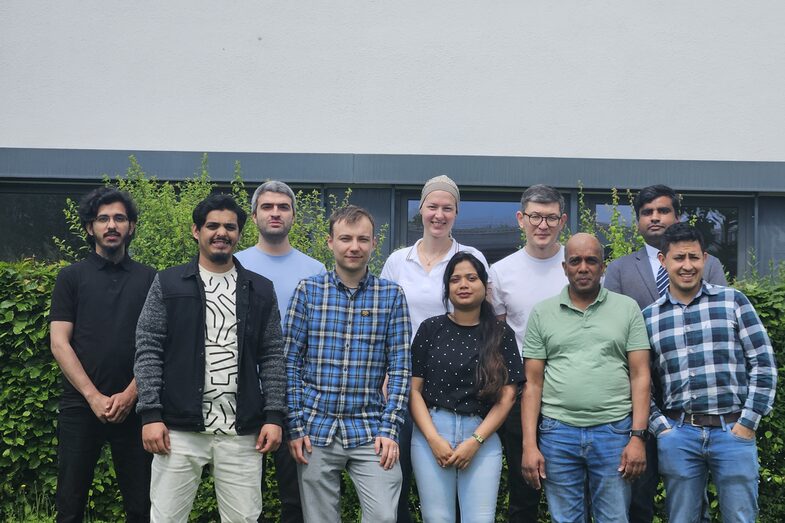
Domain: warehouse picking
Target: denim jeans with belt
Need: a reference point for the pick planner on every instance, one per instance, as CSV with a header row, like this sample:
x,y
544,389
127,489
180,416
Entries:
x,y
573,454
476,486
688,453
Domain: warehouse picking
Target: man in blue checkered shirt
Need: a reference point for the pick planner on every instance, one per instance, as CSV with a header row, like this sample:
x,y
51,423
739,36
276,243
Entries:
x,y
716,366
346,330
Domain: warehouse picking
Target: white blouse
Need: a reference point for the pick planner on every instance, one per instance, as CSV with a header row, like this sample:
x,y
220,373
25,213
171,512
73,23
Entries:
x,y
424,290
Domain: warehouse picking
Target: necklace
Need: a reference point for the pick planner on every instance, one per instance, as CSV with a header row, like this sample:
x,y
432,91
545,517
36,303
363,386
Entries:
x,y
436,257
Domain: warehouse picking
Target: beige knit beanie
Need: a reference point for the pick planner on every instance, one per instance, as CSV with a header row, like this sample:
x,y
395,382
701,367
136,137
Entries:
x,y
441,183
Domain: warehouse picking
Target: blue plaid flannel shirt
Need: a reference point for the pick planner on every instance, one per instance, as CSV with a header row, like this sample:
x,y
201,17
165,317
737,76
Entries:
x,y
712,356
339,347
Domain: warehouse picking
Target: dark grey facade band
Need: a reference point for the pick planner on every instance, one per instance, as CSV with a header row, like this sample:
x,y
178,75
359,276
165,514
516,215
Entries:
x,y
483,172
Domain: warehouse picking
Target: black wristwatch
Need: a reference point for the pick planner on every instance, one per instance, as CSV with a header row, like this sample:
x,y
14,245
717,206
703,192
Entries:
x,y
642,434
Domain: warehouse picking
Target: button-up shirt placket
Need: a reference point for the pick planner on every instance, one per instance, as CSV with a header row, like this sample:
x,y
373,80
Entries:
x,y
349,295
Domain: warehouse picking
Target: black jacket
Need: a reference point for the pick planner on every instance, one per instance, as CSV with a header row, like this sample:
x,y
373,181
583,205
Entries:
x,y
170,351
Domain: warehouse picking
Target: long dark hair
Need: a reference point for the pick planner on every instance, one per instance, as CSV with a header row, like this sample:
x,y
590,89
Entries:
x,y
491,373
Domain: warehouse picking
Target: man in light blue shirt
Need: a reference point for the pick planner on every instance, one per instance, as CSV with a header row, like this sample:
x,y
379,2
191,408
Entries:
x,y
274,206
274,209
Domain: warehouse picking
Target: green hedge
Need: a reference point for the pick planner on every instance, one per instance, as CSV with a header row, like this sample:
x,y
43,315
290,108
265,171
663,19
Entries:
x,y
29,389
768,297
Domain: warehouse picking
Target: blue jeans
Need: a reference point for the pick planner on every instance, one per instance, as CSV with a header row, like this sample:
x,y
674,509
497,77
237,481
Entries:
x,y
575,454
476,486
687,454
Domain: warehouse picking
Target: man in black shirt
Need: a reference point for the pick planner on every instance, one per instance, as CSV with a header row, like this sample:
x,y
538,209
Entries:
x,y
95,306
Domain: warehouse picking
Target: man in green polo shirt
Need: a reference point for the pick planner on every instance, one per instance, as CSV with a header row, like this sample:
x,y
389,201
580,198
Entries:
x,y
587,372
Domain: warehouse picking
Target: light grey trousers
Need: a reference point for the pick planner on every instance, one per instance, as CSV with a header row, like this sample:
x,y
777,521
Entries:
x,y
236,467
320,484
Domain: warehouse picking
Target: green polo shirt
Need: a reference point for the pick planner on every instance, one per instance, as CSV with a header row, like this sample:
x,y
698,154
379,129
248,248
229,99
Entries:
x,y
587,376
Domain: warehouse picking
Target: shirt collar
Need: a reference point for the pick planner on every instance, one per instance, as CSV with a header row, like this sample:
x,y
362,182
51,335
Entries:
x,y
564,298
102,263
335,280
192,267
652,252
706,288
415,257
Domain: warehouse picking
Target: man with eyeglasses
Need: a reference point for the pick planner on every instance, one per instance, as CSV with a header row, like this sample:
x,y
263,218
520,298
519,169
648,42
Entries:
x,y
641,277
95,306
517,283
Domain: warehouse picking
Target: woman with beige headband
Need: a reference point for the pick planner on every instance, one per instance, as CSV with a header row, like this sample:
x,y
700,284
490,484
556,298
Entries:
x,y
419,269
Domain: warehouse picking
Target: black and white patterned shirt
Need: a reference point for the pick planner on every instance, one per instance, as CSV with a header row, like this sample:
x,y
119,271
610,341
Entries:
x,y
219,400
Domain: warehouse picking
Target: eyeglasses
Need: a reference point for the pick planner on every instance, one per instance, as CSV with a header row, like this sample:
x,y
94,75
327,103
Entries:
x,y
552,220
103,219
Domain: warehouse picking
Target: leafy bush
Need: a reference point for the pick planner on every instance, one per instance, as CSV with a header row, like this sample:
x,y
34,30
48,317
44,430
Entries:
x,y
29,391
619,237
28,375
767,294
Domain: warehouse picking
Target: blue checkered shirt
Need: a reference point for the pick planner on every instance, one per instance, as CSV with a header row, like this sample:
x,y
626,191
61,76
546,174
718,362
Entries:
x,y
712,356
340,344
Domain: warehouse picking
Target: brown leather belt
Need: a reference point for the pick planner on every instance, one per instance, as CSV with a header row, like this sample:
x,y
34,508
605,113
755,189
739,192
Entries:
x,y
703,420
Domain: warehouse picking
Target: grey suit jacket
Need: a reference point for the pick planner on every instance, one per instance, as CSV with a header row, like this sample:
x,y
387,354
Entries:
x,y
631,275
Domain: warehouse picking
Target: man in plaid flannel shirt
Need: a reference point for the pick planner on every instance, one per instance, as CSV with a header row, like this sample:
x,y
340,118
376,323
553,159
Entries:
x,y
716,366
345,331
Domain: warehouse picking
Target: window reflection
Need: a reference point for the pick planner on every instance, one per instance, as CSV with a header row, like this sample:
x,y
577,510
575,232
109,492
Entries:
x,y
720,229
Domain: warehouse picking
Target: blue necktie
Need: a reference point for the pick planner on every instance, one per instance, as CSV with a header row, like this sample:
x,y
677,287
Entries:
x,y
662,281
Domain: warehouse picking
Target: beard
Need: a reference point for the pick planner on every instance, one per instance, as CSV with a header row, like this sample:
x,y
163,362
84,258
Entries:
x,y
219,258
275,235
111,250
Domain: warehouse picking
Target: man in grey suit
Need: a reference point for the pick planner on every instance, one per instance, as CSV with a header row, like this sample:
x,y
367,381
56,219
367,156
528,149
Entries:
x,y
639,275
656,208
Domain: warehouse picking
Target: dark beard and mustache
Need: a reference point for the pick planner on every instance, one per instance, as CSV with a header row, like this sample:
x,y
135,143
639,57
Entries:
x,y
219,258
111,251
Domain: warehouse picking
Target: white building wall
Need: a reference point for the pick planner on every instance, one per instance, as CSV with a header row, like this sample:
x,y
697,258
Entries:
x,y
625,79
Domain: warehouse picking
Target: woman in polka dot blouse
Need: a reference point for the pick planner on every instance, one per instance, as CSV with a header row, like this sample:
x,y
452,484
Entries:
x,y
419,270
466,369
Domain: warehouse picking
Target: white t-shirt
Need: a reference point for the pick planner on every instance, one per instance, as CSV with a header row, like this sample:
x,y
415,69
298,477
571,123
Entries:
x,y
519,282
424,290
219,400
